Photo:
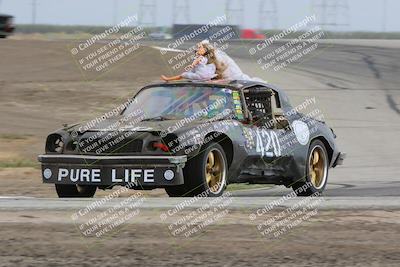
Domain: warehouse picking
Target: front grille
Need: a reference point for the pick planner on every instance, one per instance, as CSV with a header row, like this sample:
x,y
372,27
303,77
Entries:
x,y
108,143
128,147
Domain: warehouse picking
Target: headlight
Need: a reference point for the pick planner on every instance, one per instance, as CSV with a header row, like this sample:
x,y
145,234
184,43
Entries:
x,y
55,143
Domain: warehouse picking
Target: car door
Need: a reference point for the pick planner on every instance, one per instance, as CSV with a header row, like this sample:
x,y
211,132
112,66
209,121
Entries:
x,y
262,135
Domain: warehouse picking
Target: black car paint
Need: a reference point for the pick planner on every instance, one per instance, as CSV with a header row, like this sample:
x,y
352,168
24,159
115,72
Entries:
x,y
247,164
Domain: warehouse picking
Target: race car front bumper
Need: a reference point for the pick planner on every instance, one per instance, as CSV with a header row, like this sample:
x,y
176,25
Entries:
x,y
141,171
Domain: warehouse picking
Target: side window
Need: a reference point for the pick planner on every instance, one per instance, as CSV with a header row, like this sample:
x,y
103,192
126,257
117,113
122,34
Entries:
x,y
265,108
279,118
258,101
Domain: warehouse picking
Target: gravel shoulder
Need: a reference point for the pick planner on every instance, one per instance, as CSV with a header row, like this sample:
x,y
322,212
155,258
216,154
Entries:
x,y
331,238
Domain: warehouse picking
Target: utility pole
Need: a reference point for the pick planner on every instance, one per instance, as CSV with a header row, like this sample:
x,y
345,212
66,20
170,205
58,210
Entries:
x,y
332,14
115,12
234,12
34,6
147,13
181,10
268,14
384,16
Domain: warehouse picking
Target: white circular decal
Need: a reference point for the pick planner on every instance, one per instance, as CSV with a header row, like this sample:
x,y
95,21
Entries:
x,y
301,131
47,173
169,175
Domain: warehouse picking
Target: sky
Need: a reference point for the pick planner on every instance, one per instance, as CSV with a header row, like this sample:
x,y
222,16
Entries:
x,y
362,15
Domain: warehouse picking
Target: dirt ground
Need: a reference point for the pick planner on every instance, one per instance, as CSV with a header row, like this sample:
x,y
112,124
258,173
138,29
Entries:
x,y
331,238
41,88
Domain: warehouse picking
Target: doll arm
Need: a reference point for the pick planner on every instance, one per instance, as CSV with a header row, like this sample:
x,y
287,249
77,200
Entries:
x,y
196,61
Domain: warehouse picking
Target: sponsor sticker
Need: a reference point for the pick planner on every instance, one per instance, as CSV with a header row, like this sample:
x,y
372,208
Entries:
x,y
238,105
301,131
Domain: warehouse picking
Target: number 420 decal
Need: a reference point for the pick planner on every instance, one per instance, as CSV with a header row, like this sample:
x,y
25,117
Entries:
x,y
265,142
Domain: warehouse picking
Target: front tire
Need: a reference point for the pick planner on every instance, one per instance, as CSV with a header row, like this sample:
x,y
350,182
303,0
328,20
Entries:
x,y
316,171
176,191
205,174
69,191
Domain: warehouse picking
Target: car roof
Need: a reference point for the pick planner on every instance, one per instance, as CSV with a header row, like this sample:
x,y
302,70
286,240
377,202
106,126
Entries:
x,y
232,84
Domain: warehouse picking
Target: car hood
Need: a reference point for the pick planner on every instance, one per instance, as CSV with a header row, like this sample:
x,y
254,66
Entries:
x,y
118,124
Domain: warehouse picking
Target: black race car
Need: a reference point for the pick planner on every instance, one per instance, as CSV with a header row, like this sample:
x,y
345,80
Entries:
x,y
194,138
6,25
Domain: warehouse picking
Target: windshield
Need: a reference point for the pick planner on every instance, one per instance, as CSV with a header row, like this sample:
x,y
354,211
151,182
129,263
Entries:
x,y
178,102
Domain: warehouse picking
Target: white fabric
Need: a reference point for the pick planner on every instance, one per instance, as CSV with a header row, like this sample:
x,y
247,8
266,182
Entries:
x,y
201,71
232,71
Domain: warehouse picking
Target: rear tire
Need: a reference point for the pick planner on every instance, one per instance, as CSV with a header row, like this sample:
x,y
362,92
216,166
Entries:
x,y
316,171
67,190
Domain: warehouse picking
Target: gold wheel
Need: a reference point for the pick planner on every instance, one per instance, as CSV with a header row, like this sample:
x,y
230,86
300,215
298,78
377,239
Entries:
x,y
215,171
317,167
